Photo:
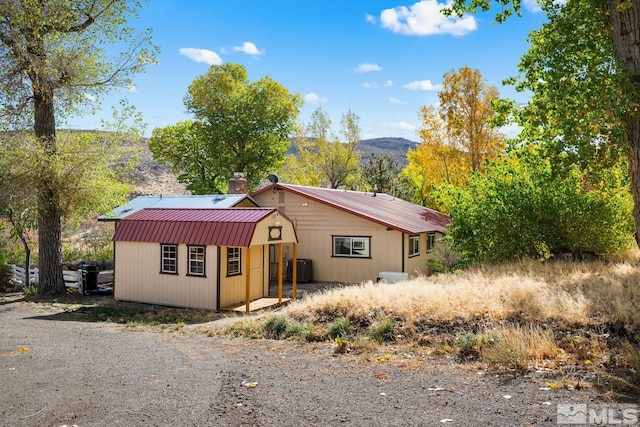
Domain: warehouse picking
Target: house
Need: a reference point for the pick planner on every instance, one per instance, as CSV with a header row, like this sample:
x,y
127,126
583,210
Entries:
x,y
198,258
352,236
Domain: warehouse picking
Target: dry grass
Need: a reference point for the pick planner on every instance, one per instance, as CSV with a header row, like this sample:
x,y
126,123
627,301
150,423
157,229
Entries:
x,y
573,293
523,316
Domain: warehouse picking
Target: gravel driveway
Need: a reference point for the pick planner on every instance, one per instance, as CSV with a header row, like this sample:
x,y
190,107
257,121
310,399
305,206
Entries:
x,y
55,372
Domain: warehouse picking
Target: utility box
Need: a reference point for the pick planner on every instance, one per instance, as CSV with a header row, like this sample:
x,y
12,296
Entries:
x,y
89,278
304,271
392,276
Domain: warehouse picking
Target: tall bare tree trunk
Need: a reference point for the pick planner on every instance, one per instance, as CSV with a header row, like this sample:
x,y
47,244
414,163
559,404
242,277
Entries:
x,y
49,218
624,18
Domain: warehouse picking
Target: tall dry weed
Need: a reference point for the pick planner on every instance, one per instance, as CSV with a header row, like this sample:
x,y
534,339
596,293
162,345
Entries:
x,y
575,293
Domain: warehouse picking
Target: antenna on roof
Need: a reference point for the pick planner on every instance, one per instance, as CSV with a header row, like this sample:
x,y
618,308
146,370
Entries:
x,y
274,180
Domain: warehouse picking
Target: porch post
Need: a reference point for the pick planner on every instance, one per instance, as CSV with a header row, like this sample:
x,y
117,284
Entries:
x,y
279,273
295,269
248,279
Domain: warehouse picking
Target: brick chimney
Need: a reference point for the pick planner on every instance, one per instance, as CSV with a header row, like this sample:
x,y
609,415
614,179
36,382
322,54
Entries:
x,y
237,184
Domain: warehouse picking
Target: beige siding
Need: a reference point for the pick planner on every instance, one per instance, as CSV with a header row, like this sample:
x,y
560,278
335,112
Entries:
x,y
233,288
261,233
138,277
245,203
415,265
316,223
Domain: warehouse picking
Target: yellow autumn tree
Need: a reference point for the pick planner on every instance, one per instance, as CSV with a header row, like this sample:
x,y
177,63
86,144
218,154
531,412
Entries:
x,y
456,138
321,159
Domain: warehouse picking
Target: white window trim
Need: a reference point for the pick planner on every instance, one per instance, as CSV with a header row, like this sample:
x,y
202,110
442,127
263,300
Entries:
x,y
235,258
414,246
195,261
363,243
164,258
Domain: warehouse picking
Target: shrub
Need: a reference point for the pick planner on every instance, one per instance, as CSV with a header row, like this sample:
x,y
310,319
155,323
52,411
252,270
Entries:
x,y
522,206
340,328
383,331
342,345
275,327
246,329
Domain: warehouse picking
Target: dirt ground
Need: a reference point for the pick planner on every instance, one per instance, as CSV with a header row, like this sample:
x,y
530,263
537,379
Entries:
x,y
57,370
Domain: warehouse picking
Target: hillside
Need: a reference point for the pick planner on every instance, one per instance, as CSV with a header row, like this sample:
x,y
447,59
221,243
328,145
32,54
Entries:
x,y
397,147
152,178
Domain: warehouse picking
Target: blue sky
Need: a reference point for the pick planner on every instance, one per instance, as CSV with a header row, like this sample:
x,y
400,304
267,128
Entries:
x,y
380,59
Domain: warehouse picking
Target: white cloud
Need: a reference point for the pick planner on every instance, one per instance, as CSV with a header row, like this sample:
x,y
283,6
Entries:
x,y
89,97
388,83
422,85
401,125
366,68
425,18
370,18
313,98
132,88
532,6
369,85
201,55
248,48
395,101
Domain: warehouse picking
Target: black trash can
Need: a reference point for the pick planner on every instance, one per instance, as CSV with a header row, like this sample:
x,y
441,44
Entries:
x,y
304,271
89,278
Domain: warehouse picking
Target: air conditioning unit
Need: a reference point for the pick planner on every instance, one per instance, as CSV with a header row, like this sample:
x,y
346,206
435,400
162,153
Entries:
x,y
392,276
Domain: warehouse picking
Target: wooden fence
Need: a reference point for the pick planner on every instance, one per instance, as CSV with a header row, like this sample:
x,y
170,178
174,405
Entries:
x,y
71,278
17,274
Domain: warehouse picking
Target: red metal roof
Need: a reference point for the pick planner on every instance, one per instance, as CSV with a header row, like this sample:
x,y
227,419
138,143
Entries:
x,y
382,208
219,227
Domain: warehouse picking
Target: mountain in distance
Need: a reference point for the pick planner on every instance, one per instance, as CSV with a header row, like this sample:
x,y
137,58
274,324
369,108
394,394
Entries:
x,y
393,146
396,147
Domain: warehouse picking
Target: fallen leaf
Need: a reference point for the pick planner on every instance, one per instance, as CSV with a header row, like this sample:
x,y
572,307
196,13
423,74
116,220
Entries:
x,y
252,384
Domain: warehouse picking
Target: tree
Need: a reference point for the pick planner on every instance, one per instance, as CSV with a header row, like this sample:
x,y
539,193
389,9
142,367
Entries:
x,y
457,138
586,46
53,58
322,159
17,198
87,170
521,208
238,126
466,108
382,172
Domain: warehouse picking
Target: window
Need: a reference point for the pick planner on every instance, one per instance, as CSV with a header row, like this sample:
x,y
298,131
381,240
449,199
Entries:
x,y
169,259
431,241
414,246
196,260
347,246
233,261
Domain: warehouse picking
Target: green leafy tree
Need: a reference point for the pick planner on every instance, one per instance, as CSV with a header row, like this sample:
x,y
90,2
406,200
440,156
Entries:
x,y
238,126
584,68
88,170
521,208
53,59
382,172
323,160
